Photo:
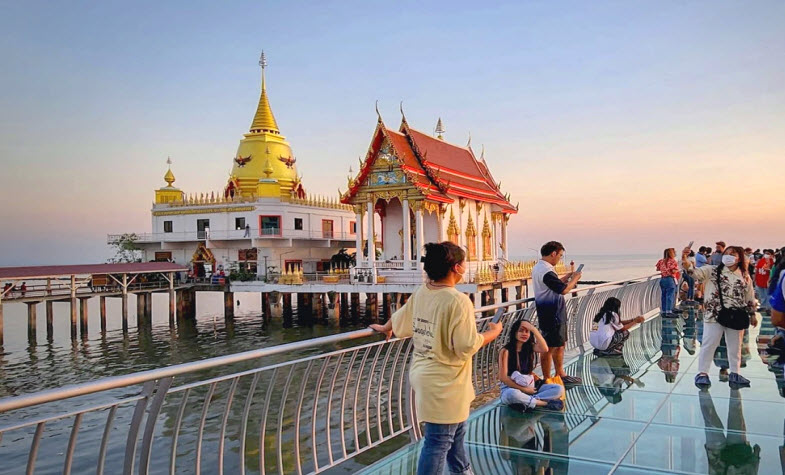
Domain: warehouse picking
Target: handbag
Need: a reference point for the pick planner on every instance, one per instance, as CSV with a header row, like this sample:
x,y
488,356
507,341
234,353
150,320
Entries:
x,y
735,318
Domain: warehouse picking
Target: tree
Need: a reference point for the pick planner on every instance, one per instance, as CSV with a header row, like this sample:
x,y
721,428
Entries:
x,y
126,249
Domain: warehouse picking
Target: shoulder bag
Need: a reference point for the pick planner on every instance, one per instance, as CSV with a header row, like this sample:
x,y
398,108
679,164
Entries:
x,y
735,318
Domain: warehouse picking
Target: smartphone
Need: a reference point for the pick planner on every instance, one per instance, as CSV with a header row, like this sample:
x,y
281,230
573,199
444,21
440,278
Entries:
x,y
689,246
498,315
580,268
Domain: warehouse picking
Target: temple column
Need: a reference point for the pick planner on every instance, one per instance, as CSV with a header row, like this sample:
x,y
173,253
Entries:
x,y
440,223
461,225
419,233
358,234
504,237
407,235
369,237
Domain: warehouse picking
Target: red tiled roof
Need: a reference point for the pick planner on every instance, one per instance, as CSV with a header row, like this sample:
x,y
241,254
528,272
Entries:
x,y
437,167
30,272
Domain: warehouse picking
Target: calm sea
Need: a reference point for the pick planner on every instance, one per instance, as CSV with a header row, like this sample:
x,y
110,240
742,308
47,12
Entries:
x,y
611,267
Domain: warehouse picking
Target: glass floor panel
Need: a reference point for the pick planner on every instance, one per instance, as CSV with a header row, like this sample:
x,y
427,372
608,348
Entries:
x,y
639,413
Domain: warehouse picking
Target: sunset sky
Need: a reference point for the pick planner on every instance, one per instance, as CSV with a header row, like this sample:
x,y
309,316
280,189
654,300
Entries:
x,y
618,126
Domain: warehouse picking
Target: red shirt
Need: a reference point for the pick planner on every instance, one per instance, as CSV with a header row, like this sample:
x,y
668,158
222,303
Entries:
x,y
762,270
668,267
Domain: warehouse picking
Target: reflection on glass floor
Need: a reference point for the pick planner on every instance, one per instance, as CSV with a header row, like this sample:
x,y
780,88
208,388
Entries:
x,y
640,413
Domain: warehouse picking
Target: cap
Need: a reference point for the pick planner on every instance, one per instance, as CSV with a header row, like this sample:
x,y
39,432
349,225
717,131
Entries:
x,y
721,243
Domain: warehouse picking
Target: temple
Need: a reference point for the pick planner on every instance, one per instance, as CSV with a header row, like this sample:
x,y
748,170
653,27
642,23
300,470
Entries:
x,y
425,189
261,221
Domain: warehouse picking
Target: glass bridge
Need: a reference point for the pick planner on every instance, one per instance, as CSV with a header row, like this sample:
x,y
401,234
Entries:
x,y
639,413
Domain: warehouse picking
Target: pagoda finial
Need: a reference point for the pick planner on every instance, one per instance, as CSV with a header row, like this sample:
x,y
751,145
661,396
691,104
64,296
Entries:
x,y
469,143
169,177
263,120
403,116
439,130
268,167
482,153
378,114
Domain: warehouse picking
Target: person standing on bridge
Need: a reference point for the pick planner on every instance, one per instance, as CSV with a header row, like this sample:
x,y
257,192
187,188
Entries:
x,y
549,292
734,293
441,322
669,271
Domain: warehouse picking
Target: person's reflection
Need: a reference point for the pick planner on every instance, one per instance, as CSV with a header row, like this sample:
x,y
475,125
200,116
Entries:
x,y
689,339
669,361
520,431
611,375
728,452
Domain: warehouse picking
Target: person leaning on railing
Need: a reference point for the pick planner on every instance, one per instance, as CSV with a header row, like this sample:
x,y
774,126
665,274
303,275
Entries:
x,y
441,322
734,294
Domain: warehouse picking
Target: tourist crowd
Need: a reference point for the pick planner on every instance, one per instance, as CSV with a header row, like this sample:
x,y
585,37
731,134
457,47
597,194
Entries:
x,y
730,284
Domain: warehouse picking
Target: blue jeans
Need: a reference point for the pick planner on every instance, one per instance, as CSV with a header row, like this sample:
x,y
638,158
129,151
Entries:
x,y
762,293
444,442
668,297
690,286
547,392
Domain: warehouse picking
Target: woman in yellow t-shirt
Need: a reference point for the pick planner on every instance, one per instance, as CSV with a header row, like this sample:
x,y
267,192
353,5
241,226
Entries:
x,y
441,322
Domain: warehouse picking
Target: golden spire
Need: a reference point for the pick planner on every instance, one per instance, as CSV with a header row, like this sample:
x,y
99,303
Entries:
x,y
169,177
263,120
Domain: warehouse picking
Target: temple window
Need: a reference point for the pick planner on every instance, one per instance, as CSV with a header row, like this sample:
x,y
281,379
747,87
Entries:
x,y
239,223
298,224
269,225
167,226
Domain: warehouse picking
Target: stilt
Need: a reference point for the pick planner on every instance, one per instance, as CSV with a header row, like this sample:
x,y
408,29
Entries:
x,y
83,316
73,317
186,305
141,317
124,298
50,320
305,314
355,315
31,320
266,308
172,306
228,305
1,319
491,301
102,311
317,305
325,307
473,298
505,295
372,307
342,308
287,313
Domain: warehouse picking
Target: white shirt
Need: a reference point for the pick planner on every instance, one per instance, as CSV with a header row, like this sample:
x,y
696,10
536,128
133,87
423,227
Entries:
x,y
600,337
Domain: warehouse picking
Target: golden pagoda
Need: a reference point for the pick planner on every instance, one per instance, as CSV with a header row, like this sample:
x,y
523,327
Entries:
x,y
168,193
264,165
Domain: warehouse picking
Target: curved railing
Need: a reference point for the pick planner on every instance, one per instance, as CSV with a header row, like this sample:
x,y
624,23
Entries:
x,y
258,411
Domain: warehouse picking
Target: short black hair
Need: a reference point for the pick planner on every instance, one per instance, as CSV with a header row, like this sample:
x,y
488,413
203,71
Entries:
x,y
440,257
550,247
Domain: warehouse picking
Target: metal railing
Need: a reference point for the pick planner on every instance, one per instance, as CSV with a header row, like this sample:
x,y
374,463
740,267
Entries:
x,y
236,234
257,411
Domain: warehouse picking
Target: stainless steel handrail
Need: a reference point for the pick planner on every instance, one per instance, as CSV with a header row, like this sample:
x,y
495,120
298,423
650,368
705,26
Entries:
x,y
333,406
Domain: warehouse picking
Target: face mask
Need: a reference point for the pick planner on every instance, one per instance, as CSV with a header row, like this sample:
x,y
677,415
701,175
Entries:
x,y
729,260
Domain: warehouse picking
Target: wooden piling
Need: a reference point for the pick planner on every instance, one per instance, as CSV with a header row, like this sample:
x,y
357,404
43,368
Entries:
x,y
83,316
124,301
342,308
355,301
50,319
73,316
31,320
172,306
228,305
1,320
267,311
372,306
519,296
102,311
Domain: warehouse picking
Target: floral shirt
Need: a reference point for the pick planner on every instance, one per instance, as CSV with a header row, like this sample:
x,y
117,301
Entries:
x,y
737,290
668,267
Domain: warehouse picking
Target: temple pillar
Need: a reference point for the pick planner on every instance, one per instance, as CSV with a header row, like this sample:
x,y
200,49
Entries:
x,y
506,254
358,235
172,300
407,235
370,237
440,223
419,233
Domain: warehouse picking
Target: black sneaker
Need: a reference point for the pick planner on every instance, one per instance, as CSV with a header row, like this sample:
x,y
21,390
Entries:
x,y
555,405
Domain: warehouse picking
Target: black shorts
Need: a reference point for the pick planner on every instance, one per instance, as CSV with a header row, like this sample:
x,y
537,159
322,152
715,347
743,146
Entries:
x,y
554,332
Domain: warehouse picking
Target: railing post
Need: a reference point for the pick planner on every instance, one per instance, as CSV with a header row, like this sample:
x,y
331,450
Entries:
x,y
133,431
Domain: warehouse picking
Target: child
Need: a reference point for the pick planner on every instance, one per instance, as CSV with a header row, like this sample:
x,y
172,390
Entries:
x,y
610,331
520,390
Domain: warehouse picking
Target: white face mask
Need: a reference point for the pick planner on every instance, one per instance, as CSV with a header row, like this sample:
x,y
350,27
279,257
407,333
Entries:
x,y
729,260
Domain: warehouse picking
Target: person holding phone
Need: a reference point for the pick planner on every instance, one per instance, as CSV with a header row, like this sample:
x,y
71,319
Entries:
x,y
549,292
441,322
610,331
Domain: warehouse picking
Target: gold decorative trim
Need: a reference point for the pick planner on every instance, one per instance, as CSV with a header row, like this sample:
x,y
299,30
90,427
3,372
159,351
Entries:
x,y
203,211
431,207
